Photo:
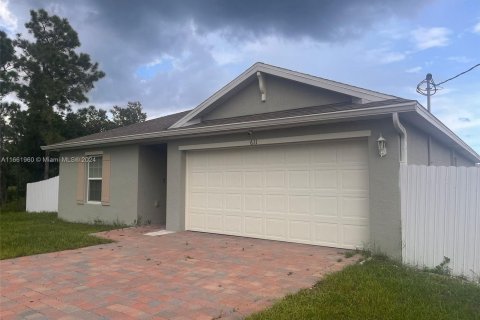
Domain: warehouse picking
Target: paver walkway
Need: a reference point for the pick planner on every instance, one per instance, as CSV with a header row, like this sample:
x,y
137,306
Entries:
x,y
185,275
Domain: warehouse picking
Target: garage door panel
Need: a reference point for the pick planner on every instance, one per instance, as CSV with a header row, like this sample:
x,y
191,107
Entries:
x,y
355,180
197,221
353,235
198,179
355,207
233,223
233,201
233,159
300,231
276,203
253,159
233,179
297,155
276,228
275,179
217,163
299,204
274,157
326,206
200,161
299,179
215,201
253,179
215,179
198,200
315,193
214,222
254,226
327,233
326,179
253,202
353,153
326,156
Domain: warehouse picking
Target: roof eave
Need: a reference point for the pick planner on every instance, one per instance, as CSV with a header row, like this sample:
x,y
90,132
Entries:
x,y
434,121
268,123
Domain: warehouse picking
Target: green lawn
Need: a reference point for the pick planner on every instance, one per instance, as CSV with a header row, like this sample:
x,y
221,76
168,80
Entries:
x,y
23,234
380,289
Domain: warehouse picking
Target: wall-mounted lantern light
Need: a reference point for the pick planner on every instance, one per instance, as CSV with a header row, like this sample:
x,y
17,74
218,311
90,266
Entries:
x,y
382,146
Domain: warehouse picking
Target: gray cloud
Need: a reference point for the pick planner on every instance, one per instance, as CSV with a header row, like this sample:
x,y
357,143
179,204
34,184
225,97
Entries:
x,y
123,35
329,20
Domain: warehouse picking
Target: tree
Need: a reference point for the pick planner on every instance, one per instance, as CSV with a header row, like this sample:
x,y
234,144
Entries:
x,y
52,76
8,77
12,129
49,75
86,121
132,113
94,120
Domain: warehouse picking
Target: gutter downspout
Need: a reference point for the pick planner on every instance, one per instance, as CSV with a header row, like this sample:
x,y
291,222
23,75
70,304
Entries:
x,y
401,179
403,137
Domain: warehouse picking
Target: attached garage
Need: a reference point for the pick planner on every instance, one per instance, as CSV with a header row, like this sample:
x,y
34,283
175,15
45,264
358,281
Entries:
x,y
314,193
315,172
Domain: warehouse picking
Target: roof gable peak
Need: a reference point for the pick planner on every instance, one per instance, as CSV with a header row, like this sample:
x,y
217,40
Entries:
x,y
259,68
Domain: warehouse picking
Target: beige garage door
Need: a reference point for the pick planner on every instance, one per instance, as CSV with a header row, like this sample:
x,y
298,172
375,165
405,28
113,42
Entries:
x,y
315,193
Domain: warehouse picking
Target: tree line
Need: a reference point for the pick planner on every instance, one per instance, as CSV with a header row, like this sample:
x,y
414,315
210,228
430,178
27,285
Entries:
x,y
47,76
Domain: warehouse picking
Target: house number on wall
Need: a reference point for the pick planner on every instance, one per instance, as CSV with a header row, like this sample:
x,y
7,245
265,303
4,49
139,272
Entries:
x,y
253,139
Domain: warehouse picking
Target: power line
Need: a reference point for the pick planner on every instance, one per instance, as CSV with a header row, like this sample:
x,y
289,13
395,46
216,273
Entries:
x,y
458,75
428,87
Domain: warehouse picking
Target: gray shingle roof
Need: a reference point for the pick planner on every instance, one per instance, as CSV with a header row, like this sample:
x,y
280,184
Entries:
x,y
345,106
153,125
163,123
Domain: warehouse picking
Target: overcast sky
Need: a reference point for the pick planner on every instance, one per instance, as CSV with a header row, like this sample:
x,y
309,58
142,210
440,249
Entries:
x,y
171,55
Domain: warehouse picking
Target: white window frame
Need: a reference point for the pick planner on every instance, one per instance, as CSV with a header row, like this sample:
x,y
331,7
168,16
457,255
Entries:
x,y
97,156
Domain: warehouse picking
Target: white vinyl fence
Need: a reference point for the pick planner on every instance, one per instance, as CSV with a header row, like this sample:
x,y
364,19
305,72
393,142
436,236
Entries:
x,y
43,195
441,217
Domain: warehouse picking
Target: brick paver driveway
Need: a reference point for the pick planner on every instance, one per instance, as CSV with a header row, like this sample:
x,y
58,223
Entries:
x,y
184,275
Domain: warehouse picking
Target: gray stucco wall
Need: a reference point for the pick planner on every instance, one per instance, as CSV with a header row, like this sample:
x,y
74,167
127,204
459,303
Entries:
x,y
123,188
462,161
282,94
417,145
440,154
175,213
385,224
152,173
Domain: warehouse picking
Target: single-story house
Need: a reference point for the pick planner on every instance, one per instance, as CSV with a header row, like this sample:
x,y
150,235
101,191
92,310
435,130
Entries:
x,y
275,154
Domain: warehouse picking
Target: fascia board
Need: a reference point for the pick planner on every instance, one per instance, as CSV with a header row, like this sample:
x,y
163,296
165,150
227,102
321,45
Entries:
x,y
430,118
324,83
303,120
217,95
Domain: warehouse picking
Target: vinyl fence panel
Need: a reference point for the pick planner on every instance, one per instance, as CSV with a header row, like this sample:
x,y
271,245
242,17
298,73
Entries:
x,y
43,195
441,217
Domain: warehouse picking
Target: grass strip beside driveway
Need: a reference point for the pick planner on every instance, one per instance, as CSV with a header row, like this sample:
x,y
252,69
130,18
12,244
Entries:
x,y
380,289
24,234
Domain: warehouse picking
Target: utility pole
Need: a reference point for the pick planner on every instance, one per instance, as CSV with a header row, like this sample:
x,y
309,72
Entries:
x,y
427,87
428,78
429,90
429,108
